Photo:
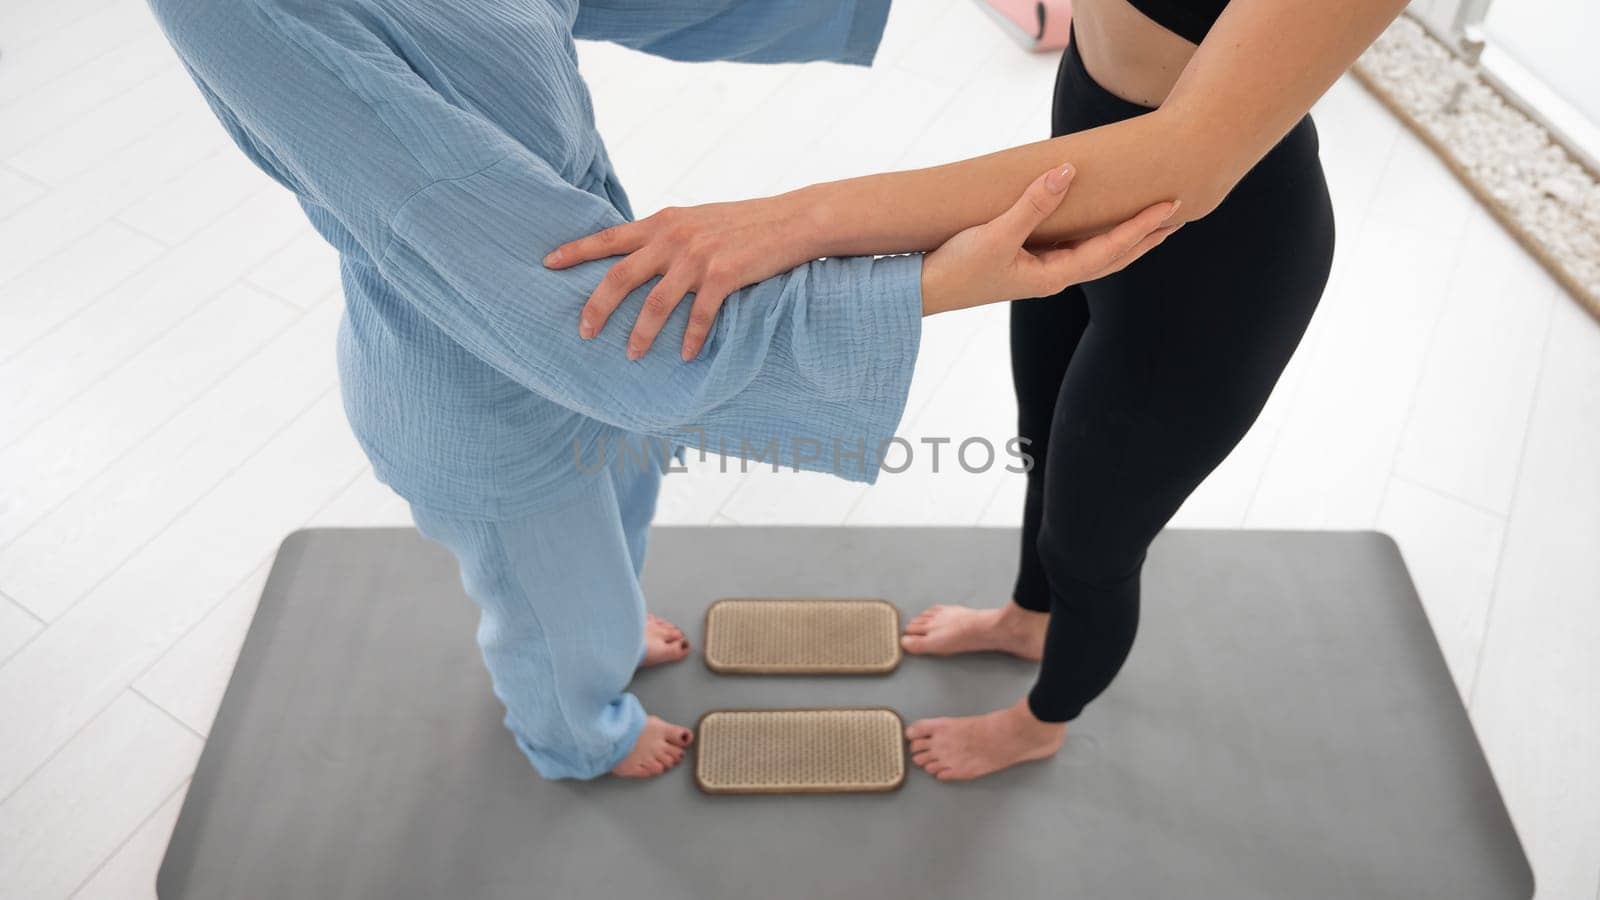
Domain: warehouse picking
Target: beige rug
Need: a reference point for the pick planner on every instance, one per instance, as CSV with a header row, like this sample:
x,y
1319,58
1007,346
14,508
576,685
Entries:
x,y
1543,196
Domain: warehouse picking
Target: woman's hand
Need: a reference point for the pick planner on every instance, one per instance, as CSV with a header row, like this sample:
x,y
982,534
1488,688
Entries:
x,y
710,250
989,262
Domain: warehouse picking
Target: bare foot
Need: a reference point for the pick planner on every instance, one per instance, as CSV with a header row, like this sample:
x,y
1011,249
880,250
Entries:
x,y
947,630
974,746
664,642
660,747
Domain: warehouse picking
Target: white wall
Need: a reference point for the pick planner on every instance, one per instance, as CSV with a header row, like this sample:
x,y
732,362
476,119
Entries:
x,y
1558,41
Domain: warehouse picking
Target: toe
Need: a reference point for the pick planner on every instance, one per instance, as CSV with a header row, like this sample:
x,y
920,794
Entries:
x,y
923,758
680,737
914,643
920,744
919,729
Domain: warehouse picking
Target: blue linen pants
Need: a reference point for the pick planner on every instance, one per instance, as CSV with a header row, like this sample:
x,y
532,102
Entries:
x,y
562,616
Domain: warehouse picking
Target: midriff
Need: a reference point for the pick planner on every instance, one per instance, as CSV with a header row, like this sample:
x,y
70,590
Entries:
x,y
1127,53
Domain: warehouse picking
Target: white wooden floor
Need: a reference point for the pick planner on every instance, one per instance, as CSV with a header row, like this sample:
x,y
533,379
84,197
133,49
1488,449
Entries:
x,y
169,410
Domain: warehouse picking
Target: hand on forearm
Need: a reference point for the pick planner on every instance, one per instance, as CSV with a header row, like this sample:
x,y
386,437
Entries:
x,y
990,263
710,250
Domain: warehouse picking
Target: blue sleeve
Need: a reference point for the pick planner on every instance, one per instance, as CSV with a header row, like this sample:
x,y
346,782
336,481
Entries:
x,y
846,31
457,216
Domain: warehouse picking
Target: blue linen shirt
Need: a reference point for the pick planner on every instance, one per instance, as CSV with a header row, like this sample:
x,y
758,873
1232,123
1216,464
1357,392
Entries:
x,y
443,146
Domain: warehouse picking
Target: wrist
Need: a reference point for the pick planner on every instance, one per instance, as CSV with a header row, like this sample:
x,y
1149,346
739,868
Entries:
x,y
935,286
816,221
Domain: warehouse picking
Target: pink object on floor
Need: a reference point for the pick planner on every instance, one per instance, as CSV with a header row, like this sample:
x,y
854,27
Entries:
x,y
1036,24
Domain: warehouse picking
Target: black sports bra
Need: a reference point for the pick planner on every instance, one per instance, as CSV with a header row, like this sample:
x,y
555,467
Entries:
x,y
1189,19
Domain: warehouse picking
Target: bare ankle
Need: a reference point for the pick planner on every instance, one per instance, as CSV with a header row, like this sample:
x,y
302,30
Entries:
x,y
1022,714
1015,614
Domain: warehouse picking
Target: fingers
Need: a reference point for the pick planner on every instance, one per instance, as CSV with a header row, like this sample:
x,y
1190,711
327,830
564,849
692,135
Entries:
x,y
1088,259
619,281
617,240
1036,204
707,300
658,305
1150,242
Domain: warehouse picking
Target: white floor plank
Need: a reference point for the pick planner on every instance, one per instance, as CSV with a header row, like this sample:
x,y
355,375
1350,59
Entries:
x,y
945,43
663,145
17,627
93,429
642,86
747,162
189,679
1465,431
130,874
1330,466
56,829
696,496
870,136
17,191
142,55
32,65
1537,697
86,142
26,23
1005,91
1357,137
176,210
966,430
69,359
66,675
67,552
786,497
303,272
55,289
364,502
1452,550
72,210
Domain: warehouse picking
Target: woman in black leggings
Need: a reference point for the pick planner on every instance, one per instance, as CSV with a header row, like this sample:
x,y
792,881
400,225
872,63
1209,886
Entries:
x,y
1134,387
1131,388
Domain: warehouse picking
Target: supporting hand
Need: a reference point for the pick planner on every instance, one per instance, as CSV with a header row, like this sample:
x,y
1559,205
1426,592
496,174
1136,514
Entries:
x,y
989,262
710,251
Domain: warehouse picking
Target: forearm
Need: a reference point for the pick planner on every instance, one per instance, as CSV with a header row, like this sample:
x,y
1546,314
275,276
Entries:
x,y
1121,168
1258,72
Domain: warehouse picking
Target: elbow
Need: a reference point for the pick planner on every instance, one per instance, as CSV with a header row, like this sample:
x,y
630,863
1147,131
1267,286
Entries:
x,y
1199,196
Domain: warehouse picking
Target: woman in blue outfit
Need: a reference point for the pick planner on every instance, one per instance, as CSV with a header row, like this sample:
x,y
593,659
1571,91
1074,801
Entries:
x,y
443,145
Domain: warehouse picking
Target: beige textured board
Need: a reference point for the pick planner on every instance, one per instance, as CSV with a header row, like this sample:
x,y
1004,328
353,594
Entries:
x,y
800,751
802,636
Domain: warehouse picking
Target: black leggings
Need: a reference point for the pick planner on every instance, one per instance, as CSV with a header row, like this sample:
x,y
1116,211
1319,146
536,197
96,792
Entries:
x,y
1133,388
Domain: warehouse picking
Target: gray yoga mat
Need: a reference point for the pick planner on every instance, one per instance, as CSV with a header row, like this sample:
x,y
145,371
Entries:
x,y
1285,727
